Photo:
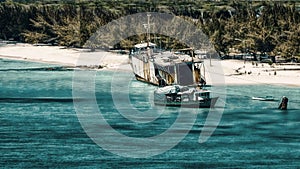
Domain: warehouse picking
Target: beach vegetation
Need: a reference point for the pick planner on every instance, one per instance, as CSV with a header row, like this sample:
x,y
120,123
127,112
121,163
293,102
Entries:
x,y
253,27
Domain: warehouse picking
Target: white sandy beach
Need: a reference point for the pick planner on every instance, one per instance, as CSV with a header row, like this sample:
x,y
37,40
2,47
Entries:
x,y
62,56
234,72
241,72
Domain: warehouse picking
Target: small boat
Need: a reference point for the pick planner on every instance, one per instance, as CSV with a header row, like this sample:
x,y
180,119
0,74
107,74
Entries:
x,y
184,96
267,98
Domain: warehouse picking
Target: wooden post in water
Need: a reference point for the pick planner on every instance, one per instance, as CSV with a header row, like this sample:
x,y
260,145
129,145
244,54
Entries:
x,y
284,103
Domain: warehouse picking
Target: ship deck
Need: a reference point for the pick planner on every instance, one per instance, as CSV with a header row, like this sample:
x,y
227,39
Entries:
x,y
167,58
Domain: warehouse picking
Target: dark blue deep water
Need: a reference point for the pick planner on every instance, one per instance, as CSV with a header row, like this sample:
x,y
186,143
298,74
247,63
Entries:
x,y
39,127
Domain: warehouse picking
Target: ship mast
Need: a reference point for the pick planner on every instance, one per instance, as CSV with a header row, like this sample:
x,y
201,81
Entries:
x,y
148,30
147,26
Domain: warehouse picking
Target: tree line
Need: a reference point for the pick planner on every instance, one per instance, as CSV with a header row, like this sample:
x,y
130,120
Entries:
x,y
249,26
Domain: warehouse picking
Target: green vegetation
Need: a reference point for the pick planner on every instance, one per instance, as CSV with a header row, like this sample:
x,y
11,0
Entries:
x,y
250,26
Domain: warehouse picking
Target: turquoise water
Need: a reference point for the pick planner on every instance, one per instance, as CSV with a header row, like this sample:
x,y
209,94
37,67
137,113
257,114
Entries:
x,y
39,127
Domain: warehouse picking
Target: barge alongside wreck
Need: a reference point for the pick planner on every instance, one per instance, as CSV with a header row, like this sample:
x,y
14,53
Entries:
x,y
184,96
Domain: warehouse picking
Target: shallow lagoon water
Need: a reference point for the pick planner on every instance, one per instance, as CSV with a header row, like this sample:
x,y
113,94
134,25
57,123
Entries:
x,y
46,132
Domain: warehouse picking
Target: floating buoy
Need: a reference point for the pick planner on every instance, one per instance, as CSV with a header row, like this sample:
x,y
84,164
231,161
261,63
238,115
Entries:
x,y
284,103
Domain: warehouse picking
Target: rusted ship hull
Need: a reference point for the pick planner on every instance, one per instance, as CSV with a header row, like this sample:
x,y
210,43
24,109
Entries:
x,y
162,69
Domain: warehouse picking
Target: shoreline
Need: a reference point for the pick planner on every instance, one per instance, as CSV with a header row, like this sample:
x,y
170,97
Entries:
x,y
34,60
235,72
